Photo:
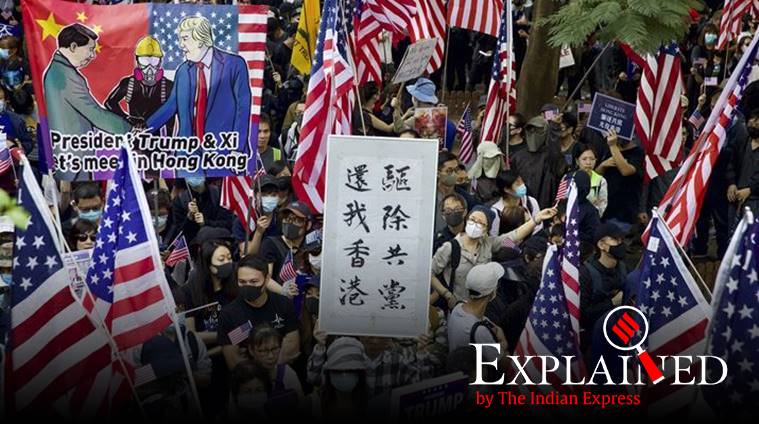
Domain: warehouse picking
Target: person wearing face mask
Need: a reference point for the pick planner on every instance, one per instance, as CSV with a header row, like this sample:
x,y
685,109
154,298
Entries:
x,y
486,167
280,252
15,127
743,172
447,180
602,277
267,224
249,390
567,139
454,259
623,171
15,76
263,347
513,194
87,204
515,130
344,394
160,208
454,212
197,207
256,305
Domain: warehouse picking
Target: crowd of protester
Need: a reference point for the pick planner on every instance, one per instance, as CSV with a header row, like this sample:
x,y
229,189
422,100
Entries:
x,y
493,221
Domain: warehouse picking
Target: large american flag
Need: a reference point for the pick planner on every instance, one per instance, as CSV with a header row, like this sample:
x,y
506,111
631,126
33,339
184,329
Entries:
x,y
733,333
677,314
130,290
682,202
570,258
732,20
477,15
658,115
429,22
240,29
329,106
502,93
548,330
466,154
53,343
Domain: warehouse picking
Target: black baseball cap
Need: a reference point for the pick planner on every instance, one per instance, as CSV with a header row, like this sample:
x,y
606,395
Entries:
x,y
608,230
268,180
300,209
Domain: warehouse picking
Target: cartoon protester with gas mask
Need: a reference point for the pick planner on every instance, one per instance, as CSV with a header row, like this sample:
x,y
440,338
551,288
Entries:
x,y
145,90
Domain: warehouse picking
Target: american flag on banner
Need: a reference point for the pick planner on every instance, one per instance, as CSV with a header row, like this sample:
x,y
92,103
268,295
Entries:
x,y
329,106
732,20
52,343
6,161
240,333
682,202
548,330
287,271
429,22
126,277
466,154
477,15
733,333
677,315
658,115
502,93
570,259
179,251
237,193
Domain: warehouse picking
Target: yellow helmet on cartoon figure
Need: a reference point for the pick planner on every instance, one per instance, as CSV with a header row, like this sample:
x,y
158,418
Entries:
x,y
148,46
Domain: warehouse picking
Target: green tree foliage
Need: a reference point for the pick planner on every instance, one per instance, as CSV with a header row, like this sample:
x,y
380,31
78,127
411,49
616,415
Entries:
x,y
9,208
643,24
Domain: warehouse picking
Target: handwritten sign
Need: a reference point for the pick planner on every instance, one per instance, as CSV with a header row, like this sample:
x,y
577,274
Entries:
x,y
379,216
434,397
415,60
608,113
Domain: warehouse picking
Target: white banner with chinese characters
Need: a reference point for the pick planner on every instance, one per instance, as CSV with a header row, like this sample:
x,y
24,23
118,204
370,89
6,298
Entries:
x,y
378,225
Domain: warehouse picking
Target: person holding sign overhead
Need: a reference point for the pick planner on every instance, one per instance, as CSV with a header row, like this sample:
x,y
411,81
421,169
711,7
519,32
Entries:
x,y
623,171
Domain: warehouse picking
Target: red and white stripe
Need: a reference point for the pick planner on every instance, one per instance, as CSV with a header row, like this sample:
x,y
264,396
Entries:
x,y
682,202
732,20
287,272
430,22
476,15
502,93
464,128
365,46
251,37
570,260
236,196
393,15
658,115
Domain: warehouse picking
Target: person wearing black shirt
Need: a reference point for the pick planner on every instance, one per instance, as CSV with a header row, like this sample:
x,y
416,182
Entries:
x,y
623,171
743,170
454,212
255,305
198,207
279,251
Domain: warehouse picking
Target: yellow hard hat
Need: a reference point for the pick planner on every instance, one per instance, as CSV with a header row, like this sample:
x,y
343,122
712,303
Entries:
x,y
148,46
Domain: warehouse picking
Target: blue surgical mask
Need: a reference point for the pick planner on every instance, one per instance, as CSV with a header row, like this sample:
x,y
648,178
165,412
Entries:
x,y
160,221
269,203
4,53
195,182
710,38
7,278
91,216
521,191
2,106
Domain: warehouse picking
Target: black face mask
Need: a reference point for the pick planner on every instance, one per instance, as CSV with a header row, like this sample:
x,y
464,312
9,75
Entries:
x,y
618,252
271,25
224,271
454,219
753,132
251,293
312,305
291,231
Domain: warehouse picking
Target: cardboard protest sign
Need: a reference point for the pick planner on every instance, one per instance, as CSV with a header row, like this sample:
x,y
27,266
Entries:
x,y
608,113
415,60
379,213
138,74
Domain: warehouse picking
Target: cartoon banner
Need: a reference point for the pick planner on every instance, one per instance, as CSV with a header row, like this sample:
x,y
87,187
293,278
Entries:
x,y
181,84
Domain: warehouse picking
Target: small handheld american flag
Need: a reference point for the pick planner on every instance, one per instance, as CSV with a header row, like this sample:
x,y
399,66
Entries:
x,y
240,333
6,162
179,251
465,129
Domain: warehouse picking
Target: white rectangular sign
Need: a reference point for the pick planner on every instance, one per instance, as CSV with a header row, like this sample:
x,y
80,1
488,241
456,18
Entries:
x,y
415,60
566,59
378,223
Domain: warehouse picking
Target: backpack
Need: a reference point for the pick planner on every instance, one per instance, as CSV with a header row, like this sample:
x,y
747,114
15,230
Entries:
x,y
483,323
454,261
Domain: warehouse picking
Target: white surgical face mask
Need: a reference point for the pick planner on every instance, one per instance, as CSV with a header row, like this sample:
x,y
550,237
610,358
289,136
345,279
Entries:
x,y
344,381
474,230
315,261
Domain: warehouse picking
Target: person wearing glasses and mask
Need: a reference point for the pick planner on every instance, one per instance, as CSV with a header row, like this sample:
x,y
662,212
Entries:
x,y
263,347
283,252
254,306
454,259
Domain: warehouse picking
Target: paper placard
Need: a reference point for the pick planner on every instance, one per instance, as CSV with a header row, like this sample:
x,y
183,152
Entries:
x,y
566,59
608,113
415,60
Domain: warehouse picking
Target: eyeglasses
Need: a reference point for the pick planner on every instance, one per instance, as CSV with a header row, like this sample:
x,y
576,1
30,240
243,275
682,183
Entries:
x,y
86,236
294,220
92,209
271,351
481,224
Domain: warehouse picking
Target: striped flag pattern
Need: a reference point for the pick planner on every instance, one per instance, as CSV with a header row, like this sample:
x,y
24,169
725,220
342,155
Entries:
x,y
732,20
466,154
502,94
179,251
252,47
430,22
287,272
52,343
6,162
236,194
329,107
561,192
682,202
365,46
658,115
477,15
697,120
570,259
240,333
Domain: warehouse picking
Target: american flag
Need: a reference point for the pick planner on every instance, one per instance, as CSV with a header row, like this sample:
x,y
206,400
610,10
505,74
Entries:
x,y
53,343
682,202
733,332
732,20
179,251
658,115
429,22
676,312
126,277
144,375
466,154
329,106
570,258
561,192
477,15
236,195
502,94
240,333
240,29
287,271
548,330
697,120
6,162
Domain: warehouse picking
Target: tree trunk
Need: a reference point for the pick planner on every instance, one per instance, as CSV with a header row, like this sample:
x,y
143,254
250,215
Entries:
x,y
540,70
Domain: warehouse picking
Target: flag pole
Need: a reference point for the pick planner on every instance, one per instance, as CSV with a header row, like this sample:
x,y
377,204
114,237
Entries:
x,y
355,73
445,65
584,77
727,45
